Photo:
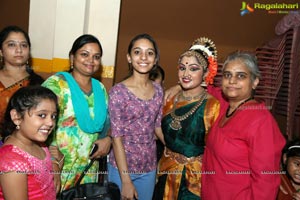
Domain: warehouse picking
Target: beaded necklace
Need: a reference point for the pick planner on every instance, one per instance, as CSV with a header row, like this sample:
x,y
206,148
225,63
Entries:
x,y
227,111
176,120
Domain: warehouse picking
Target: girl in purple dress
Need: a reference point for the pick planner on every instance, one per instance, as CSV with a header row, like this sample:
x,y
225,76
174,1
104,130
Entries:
x,y
135,108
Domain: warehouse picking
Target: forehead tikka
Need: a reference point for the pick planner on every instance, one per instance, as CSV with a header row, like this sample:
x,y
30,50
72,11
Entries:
x,y
201,59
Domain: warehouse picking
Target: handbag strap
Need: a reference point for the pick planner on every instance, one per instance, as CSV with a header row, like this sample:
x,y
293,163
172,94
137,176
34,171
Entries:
x,y
103,175
102,167
86,169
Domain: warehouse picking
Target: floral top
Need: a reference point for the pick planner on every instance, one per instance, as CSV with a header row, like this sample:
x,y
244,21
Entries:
x,y
135,120
73,142
40,180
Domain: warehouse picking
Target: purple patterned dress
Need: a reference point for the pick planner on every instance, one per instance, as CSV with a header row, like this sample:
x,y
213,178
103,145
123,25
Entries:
x,y
135,120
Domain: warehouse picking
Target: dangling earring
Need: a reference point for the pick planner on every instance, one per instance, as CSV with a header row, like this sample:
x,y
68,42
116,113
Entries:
x,y
71,66
203,84
18,127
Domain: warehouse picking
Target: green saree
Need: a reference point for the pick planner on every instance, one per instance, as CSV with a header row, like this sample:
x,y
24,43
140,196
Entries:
x,y
179,169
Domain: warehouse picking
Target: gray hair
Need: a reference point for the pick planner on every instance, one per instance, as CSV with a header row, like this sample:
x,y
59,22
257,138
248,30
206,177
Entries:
x,y
248,59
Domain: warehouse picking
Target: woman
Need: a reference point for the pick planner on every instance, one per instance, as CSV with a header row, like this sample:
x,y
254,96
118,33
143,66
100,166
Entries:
x,y
135,112
244,145
14,69
83,111
187,118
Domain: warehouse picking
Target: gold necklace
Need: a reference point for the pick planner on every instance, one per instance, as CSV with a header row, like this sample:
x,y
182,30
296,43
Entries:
x,y
189,98
176,120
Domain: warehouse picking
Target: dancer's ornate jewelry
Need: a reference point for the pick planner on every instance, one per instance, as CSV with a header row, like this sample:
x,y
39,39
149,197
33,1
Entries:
x,y
176,120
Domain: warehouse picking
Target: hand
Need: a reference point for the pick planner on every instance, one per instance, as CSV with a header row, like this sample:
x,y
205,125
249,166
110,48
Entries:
x,y
57,181
169,93
55,153
104,145
296,195
128,191
283,190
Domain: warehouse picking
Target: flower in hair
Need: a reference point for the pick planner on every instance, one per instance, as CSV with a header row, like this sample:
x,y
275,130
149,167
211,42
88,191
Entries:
x,y
209,51
212,70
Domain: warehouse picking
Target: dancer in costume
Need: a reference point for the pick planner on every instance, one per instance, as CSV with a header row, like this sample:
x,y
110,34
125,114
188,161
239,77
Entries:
x,y
187,118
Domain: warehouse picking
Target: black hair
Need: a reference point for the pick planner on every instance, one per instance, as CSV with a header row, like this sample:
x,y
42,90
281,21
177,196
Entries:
x,y
131,44
23,100
33,77
7,30
82,40
292,148
159,71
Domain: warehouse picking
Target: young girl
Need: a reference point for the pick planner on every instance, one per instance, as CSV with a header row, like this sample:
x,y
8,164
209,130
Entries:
x,y
135,108
26,166
290,181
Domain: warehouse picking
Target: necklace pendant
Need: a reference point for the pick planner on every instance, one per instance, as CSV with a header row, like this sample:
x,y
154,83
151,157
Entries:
x,y
175,124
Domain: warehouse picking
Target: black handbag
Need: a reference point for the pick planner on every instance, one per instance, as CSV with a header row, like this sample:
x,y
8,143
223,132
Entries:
x,y
103,190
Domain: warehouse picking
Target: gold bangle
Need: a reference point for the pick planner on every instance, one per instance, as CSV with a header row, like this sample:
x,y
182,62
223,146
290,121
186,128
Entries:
x,y
61,160
55,162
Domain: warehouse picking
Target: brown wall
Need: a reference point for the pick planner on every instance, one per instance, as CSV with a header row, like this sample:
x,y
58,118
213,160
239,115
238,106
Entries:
x,y
176,23
14,12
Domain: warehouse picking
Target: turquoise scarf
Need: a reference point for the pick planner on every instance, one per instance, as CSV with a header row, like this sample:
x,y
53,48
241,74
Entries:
x,y
80,105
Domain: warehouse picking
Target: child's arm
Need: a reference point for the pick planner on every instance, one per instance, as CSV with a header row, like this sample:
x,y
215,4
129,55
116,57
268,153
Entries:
x,y
14,186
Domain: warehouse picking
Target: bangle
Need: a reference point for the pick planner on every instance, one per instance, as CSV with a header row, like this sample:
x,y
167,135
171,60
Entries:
x,y
54,160
61,160
111,138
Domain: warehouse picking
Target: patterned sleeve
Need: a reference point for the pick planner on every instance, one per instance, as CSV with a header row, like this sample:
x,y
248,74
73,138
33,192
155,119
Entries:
x,y
12,161
115,106
56,84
